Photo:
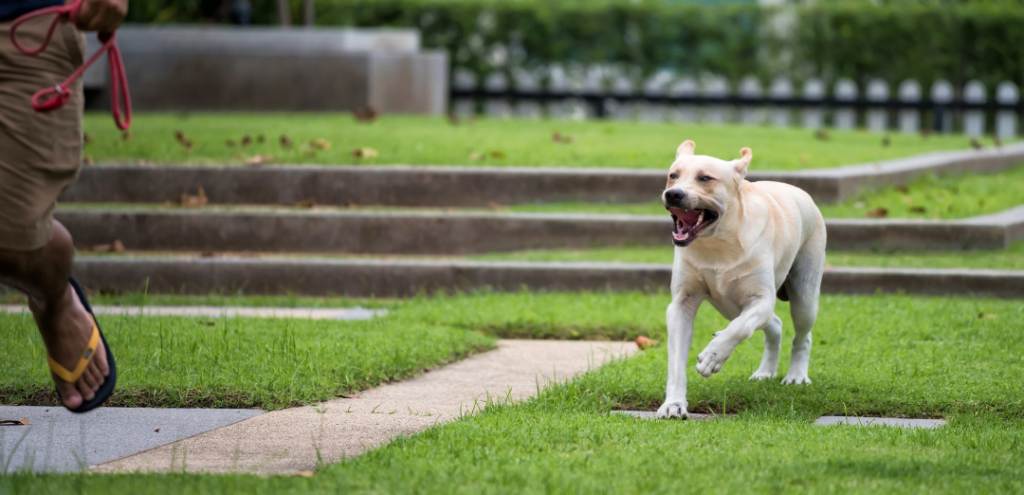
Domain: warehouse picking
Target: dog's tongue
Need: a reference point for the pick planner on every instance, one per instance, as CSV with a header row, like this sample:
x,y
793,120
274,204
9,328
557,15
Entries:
x,y
688,217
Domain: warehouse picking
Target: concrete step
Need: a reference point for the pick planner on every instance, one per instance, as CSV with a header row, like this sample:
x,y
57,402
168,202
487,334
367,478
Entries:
x,y
403,278
399,185
462,233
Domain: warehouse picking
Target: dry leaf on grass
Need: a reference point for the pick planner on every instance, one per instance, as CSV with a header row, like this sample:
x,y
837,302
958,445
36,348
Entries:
x,y
495,206
304,474
366,114
364,153
286,141
564,139
259,160
902,189
114,247
926,133
918,209
14,422
320,144
644,343
476,156
246,140
306,203
885,142
351,206
126,136
348,396
193,201
497,154
877,213
975,144
821,134
87,138
87,159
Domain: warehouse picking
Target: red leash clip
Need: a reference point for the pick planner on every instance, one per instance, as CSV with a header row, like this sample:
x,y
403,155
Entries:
x,y
58,95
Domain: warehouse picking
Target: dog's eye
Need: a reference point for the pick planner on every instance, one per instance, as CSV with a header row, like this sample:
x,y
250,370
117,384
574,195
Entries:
x,y
706,179
673,176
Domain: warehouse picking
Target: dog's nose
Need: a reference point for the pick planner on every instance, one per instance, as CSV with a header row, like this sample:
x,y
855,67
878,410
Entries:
x,y
675,196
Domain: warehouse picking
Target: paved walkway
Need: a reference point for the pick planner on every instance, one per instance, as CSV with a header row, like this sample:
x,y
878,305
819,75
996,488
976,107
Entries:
x,y
356,313
291,440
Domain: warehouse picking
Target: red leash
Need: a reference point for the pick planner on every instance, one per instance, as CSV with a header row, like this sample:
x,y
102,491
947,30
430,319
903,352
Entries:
x,y
61,93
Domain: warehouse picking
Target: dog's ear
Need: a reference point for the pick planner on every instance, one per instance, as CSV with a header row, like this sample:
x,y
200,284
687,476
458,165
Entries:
x,y
743,162
686,148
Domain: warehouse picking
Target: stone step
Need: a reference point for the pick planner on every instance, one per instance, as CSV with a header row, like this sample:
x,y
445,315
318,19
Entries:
x,y
411,186
403,278
463,233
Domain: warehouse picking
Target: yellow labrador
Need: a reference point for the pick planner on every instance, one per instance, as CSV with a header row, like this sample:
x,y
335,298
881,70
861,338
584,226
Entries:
x,y
739,245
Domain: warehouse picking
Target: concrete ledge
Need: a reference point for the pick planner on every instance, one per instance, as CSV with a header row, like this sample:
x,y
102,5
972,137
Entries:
x,y
402,278
402,185
462,233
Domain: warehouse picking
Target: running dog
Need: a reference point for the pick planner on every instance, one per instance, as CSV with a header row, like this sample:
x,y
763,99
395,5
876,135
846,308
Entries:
x,y
739,245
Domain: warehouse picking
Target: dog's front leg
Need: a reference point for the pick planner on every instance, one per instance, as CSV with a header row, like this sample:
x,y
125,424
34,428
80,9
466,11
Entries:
x,y
756,315
680,315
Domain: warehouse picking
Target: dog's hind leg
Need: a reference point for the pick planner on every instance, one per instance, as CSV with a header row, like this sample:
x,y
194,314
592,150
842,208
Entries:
x,y
772,348
804,286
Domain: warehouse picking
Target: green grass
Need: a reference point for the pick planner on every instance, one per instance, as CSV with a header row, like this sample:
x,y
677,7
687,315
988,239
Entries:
x,y
1009,259
434,141
894,355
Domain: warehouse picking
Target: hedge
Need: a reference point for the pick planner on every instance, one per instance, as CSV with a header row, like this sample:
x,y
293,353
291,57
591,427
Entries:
x,y
893,41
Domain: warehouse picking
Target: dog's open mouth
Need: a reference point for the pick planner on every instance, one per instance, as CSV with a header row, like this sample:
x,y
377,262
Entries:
x,y
689,224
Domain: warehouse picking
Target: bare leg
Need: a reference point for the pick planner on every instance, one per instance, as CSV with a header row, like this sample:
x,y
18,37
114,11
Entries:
x,y
680,315
63,322
772,347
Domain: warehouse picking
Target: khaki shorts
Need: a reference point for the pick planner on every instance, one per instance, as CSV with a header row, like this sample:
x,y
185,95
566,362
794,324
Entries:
x,y
40,153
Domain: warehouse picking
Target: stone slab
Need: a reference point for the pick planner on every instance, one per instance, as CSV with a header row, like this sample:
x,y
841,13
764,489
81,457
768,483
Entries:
x,y
56,440
462,233
869,421
404,278
356,313
439,186
292,439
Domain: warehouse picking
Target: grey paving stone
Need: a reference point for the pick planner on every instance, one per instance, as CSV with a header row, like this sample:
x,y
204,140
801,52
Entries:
x,y
56,440
867,421
357,313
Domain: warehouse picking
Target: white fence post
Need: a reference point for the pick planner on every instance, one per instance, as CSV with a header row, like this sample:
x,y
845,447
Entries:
x,y
845,117
656,85
750,87
464,79
497,107
942,95
878,92
527,82
910,118
1006,120
781,89
621,110
716,87
813,93
684,112
974,120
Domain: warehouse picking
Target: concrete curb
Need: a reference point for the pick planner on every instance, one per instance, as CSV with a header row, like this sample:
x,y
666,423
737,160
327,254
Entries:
x,y
463,233
402,278
402,185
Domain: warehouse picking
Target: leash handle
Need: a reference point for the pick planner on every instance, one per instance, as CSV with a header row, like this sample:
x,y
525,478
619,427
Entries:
x,y
50,99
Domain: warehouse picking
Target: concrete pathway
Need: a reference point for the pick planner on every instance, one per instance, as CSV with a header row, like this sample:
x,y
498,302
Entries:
x,y
292,440
356,313
61,441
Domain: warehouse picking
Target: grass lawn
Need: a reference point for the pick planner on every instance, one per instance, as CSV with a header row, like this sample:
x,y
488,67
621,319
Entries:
x,y
957,358
1009,259
434,141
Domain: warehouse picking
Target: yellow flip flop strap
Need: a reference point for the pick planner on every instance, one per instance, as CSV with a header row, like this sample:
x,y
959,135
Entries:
x,y
90,352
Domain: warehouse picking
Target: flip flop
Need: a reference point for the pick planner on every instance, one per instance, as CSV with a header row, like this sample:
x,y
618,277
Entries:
x,y
72,376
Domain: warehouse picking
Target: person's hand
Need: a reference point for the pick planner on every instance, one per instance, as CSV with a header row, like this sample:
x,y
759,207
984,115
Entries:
x,y
104,16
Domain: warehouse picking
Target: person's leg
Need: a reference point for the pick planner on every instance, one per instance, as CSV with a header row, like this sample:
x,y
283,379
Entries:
x,y
40,154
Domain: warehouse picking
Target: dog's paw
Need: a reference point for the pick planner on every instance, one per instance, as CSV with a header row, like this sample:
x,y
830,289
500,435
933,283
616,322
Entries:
x,y
673,410
762,375
796,380
711,359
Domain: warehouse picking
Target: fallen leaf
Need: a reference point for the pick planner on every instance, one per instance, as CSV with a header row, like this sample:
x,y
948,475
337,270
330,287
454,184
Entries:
x,y
14,422
366,114
352,206
877,213
230,143
259,160
644,343
476,156
304,474
349,396
179,136
246,140
320,144
495,206
926,133
87,138
156,430
885,142
902,189
821,134
975,144
194,201
497,154
118,246
126,136
286,141
87,159
918,209
206,323
364,153
306,203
